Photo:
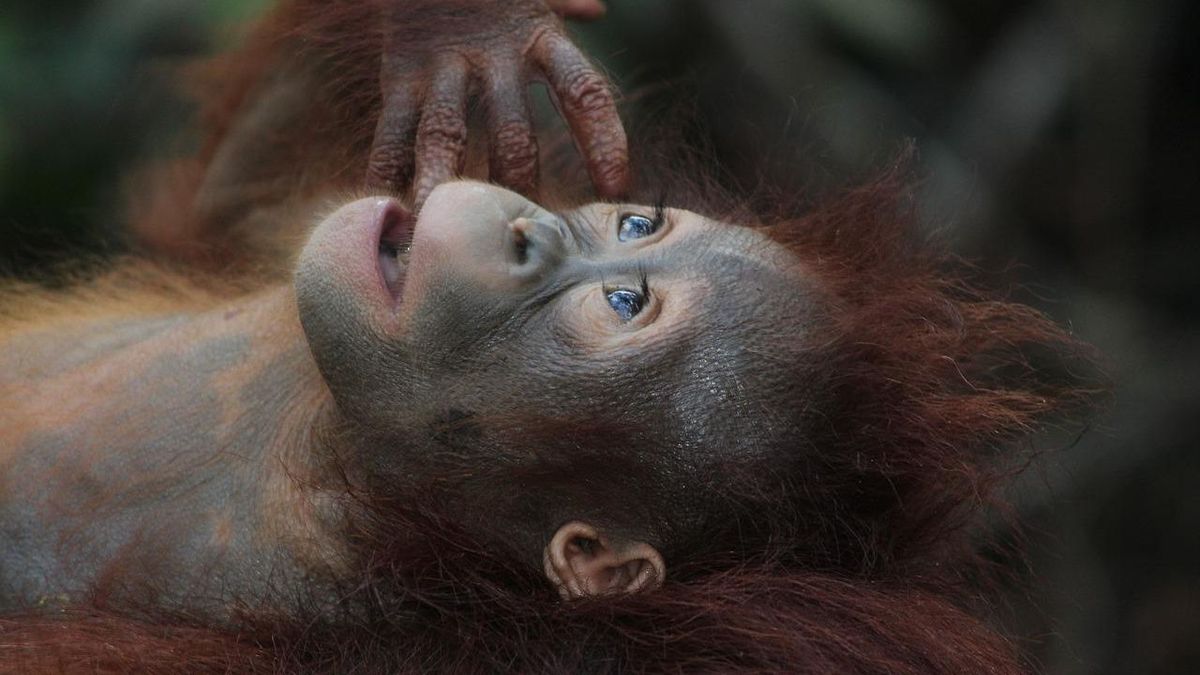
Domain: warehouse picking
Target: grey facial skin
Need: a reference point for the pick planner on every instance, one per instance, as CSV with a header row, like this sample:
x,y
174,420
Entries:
x,y
505,314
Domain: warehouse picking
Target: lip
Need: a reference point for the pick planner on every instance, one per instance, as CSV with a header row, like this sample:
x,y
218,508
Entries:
x,y
392,229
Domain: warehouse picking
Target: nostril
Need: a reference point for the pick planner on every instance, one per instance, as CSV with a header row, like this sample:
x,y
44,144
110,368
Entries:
x,y
521,247
520,240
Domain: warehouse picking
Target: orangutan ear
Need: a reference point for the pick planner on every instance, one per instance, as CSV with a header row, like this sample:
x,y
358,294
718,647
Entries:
x,y
580,561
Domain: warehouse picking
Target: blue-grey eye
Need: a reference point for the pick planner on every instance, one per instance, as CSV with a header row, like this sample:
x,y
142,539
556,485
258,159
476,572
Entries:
x,y
625,303
634,226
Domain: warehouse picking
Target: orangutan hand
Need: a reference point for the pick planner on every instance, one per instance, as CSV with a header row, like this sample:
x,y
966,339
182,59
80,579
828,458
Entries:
x,y
493,48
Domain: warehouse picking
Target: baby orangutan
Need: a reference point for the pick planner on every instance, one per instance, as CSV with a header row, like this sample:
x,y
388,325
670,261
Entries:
x,y
468,432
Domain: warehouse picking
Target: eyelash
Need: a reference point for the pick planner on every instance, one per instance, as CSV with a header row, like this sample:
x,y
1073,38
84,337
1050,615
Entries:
x,y
645,226
643,294
660,213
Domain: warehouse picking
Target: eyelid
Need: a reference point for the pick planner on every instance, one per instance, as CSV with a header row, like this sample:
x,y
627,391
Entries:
x,y
651,303
659,216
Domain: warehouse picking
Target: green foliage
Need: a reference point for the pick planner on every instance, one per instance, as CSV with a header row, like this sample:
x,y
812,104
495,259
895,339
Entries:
x,y
224,11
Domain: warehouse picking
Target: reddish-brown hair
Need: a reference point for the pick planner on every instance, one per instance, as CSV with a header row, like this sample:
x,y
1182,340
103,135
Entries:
x,y
859,557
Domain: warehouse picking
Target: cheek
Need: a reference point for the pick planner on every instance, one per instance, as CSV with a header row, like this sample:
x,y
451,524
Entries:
x,y
589,313
580,320
590,326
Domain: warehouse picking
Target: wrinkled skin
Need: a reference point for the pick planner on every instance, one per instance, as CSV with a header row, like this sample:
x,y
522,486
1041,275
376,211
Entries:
x,y
498,48
504,311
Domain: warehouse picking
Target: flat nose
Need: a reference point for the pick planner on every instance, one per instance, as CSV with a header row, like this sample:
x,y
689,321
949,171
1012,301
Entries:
x,y
535,244
496,238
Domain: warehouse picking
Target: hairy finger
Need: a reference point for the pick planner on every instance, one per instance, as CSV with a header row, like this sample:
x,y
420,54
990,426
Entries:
x,y
580,10
390,165
512,147
442,132
587,103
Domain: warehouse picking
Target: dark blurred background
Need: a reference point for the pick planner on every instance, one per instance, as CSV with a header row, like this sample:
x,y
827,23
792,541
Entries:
x,y
1059,142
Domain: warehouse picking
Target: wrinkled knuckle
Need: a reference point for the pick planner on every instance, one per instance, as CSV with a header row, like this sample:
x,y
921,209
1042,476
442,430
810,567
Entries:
x,y
539,36
611,168
513,145
382,171
389,159
588,92
443,126
390,146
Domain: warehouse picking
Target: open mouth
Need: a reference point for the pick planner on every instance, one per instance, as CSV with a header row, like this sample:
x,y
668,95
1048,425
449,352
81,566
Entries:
x,y
395,242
